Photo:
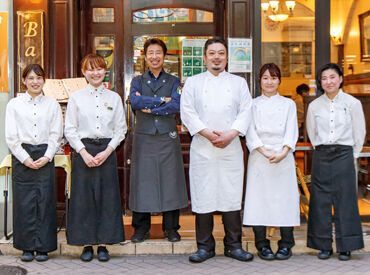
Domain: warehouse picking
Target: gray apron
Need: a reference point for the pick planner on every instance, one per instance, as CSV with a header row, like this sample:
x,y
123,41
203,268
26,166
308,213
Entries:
x,y
157,182
95,213
34,203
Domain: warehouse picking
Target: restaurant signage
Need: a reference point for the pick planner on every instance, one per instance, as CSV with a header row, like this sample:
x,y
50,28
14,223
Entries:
x,y
30,40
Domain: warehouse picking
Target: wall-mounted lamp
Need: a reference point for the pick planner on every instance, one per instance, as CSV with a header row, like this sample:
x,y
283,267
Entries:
x,y
336,35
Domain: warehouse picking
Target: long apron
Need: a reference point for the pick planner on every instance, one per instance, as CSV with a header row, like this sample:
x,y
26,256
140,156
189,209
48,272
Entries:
x,y
34,203
272,197
334,184
95,213
157,181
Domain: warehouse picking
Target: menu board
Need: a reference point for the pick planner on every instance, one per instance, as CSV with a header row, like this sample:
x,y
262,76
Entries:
x,y
192,58
61,89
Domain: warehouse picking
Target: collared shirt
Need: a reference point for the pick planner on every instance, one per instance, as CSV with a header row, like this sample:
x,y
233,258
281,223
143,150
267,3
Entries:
x,y
336,121
274,123
219,103
34,121
154,103
95,113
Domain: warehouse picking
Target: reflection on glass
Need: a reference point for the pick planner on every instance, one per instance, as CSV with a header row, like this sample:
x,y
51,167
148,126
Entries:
x,y
290,44
103,15
104,46
172,15
173,63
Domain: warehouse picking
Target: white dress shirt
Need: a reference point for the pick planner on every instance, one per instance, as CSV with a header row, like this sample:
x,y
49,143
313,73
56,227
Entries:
x,y
94,113
34,121
274,123
335,121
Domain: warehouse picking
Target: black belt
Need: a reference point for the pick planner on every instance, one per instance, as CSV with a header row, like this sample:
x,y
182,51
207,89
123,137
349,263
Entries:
x,y
332,147
96,140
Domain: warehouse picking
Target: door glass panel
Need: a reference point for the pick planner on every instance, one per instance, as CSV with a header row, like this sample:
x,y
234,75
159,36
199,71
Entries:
x,y
288,39
103,15
161,15
104,46
173,61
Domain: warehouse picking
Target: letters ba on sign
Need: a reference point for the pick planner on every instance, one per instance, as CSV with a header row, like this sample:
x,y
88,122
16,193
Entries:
x,y
30,40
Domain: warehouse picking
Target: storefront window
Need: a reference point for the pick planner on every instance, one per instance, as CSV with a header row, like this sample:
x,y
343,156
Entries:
x,y
174,63
167,15
288,35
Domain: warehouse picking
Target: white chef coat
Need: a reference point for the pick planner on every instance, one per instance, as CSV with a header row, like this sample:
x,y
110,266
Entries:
x,y
272,197
34,121
219,103
94,113
339,120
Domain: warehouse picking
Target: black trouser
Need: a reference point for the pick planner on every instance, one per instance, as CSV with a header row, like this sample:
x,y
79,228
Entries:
x,y
286,241
141,221
233,230
334,185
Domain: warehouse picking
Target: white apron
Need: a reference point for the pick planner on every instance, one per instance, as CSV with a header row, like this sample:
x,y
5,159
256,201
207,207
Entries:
x,y
216,175
272,197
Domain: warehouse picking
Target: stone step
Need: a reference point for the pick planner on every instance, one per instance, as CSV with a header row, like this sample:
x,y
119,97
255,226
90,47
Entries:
x,y
163,247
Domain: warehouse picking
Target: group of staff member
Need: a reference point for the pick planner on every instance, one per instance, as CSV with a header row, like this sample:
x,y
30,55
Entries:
x,y
94,126
217,108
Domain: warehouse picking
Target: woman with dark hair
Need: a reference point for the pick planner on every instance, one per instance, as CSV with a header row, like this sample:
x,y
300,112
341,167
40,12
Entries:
x,y
33,129
94,126
272,197
336,127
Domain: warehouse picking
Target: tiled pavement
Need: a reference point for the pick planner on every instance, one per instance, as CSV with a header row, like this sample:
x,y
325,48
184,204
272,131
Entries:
x,y
179,264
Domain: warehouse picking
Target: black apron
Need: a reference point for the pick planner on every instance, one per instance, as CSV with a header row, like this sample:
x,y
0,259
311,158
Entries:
x,y
333,183
157,181
34,203
95,213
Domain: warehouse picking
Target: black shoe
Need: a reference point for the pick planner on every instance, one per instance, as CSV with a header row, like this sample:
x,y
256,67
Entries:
x,y
87,254
283,253
172,236
239,254
266,254
103,254
344,256
139,237
27,256
324,254
41,256
201,255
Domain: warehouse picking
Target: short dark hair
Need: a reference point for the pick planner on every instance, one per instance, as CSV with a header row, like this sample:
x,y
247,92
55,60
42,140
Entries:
x,y
153,41
273,70
35,68
302,88
214,40
329,66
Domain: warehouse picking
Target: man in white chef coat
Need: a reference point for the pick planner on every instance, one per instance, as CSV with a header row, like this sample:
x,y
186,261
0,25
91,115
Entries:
x,y
216,109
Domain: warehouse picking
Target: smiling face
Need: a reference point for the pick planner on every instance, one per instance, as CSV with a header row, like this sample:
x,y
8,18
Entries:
x,y
34,83
269,84
215,58
330,82
94,76
154,57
